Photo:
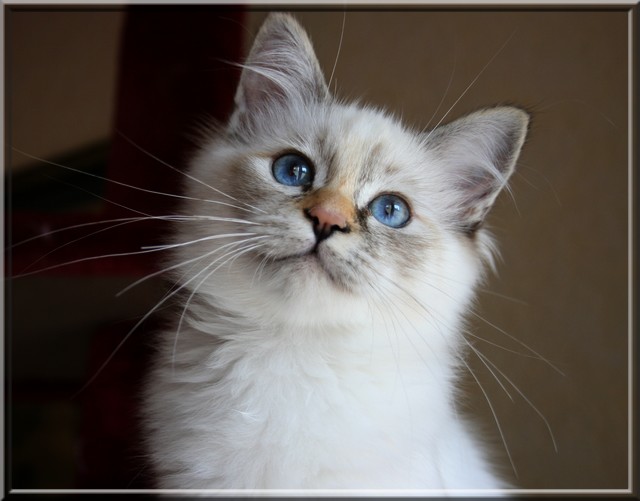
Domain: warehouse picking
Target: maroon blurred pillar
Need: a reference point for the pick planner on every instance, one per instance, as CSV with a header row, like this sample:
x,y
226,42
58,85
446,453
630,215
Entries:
x,y
174,72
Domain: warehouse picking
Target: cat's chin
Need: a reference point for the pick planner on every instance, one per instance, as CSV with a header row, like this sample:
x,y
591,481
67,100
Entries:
x,y
314,264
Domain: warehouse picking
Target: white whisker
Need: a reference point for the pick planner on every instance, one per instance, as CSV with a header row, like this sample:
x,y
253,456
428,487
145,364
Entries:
x,y
537,356
257,274
482,359
145,190
77,226
499,346
444,95
183,263
95,195
93,233
335,62
85,259
191,242
521,343
472,82
130,332
235,253
220,192
502,296
495,417
536,410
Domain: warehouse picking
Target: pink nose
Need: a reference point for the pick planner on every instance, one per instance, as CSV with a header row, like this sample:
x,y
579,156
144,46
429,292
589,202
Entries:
x,y
326,221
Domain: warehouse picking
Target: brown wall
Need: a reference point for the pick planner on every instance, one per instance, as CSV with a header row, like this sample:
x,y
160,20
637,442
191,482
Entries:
x,y
61,75
561,287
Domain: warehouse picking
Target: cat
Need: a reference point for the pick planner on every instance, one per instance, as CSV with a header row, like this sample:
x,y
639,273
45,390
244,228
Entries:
x,y
325,264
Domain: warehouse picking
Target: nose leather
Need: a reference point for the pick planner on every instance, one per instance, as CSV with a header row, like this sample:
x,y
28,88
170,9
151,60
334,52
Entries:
x,y
325,221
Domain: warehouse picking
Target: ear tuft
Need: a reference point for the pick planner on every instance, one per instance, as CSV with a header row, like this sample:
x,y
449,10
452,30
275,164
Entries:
x,y
281,70
479,152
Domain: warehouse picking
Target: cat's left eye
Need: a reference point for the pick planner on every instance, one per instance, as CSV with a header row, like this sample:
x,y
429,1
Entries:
x,y
292,170
391,210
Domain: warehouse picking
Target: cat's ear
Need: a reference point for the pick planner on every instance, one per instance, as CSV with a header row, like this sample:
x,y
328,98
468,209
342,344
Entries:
x,y
480,152
282,70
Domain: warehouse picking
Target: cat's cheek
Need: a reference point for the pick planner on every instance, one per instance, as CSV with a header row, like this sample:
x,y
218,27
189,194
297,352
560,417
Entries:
x,y
284,236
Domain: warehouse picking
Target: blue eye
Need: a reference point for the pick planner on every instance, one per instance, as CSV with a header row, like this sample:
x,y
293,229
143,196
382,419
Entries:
x,y
390,210
292,170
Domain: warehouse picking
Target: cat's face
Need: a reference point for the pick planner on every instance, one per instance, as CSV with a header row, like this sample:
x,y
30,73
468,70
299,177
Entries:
x,y
339,192
326,200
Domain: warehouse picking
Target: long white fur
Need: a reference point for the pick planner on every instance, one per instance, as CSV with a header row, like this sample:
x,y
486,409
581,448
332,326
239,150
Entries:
x,y
278,377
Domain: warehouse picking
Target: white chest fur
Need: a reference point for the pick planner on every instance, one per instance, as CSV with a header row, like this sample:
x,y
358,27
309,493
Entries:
x,y
296,410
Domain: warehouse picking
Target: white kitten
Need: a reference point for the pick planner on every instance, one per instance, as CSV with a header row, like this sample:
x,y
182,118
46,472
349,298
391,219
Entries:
x,y
324,289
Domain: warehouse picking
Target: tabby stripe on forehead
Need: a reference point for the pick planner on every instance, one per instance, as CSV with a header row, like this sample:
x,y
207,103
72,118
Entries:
x,y
366,174
372,158
327,154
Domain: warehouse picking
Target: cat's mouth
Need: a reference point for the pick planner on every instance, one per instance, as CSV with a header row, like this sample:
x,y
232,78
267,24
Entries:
x,y
312,255
317,260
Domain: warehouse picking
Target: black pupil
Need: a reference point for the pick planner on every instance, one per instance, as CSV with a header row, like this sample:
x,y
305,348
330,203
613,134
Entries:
x,y
390,208
298,171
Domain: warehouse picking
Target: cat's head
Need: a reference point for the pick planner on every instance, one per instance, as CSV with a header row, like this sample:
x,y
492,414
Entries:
x,y
339,206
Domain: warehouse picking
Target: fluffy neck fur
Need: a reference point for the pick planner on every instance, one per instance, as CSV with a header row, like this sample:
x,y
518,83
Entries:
x,y
307,362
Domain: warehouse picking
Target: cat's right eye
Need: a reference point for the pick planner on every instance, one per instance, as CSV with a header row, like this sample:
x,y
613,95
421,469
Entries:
x,y
292,170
